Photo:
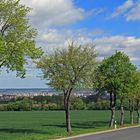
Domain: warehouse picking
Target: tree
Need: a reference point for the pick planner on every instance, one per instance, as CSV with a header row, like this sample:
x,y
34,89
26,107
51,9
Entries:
x,y
17,37
136,98
138,106
114,77
67,69
128,91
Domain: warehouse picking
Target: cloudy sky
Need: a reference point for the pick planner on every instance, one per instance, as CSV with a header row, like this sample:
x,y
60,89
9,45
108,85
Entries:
x,y
111,24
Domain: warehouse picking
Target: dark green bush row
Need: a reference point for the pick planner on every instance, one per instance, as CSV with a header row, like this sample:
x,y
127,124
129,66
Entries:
x,y
56,103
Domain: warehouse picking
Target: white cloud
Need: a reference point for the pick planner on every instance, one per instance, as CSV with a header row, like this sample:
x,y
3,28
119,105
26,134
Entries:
x,y
105,46
97,32
129,9
134,13
50,16
56,12
135,58
108,45
54,38
122,8
47,14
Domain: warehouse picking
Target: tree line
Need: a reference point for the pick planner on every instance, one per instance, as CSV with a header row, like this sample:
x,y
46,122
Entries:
x,y
77,67
55,102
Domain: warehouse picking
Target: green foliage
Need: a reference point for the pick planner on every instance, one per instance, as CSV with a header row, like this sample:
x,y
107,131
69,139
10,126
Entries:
x,y
16,37
91,106
68,68
3,107
77,104
136,92
55,102
24,104
98,105
116,75
52,106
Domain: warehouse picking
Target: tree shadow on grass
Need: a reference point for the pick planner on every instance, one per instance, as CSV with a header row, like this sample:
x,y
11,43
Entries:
x,y
82,125
22,130
90,124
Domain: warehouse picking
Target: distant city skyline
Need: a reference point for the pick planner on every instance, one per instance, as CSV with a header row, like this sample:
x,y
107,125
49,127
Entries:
x,y
111,25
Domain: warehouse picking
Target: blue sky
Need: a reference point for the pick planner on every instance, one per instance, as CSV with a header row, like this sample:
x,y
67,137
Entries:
x,y
111,24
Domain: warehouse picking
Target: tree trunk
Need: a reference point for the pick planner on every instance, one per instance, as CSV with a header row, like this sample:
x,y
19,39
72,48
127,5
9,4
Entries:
x,y
66,108
112,117
131,117
122,114
68,124
131,112
138,112
112,108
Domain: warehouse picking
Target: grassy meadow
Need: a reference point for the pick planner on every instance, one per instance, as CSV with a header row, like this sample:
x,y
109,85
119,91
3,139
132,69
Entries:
x,y
41,125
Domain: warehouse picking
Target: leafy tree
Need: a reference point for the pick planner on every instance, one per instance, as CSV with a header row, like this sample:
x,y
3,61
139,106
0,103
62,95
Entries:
x,y
67,69
115,76
136,98
133,94
16,37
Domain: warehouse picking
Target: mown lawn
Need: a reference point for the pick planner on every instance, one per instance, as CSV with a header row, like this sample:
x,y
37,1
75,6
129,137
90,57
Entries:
x,y
41,125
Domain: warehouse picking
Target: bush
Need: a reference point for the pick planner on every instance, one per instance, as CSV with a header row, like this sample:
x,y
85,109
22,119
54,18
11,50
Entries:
x,y
24,105
36,107
77,104
52,106
91,106
99,105
3,107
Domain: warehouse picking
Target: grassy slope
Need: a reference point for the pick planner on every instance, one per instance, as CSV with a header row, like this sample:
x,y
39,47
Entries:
x,y
46,125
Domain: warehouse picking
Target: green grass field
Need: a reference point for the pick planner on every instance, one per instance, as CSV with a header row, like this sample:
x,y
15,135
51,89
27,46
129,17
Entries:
x,y
41,125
